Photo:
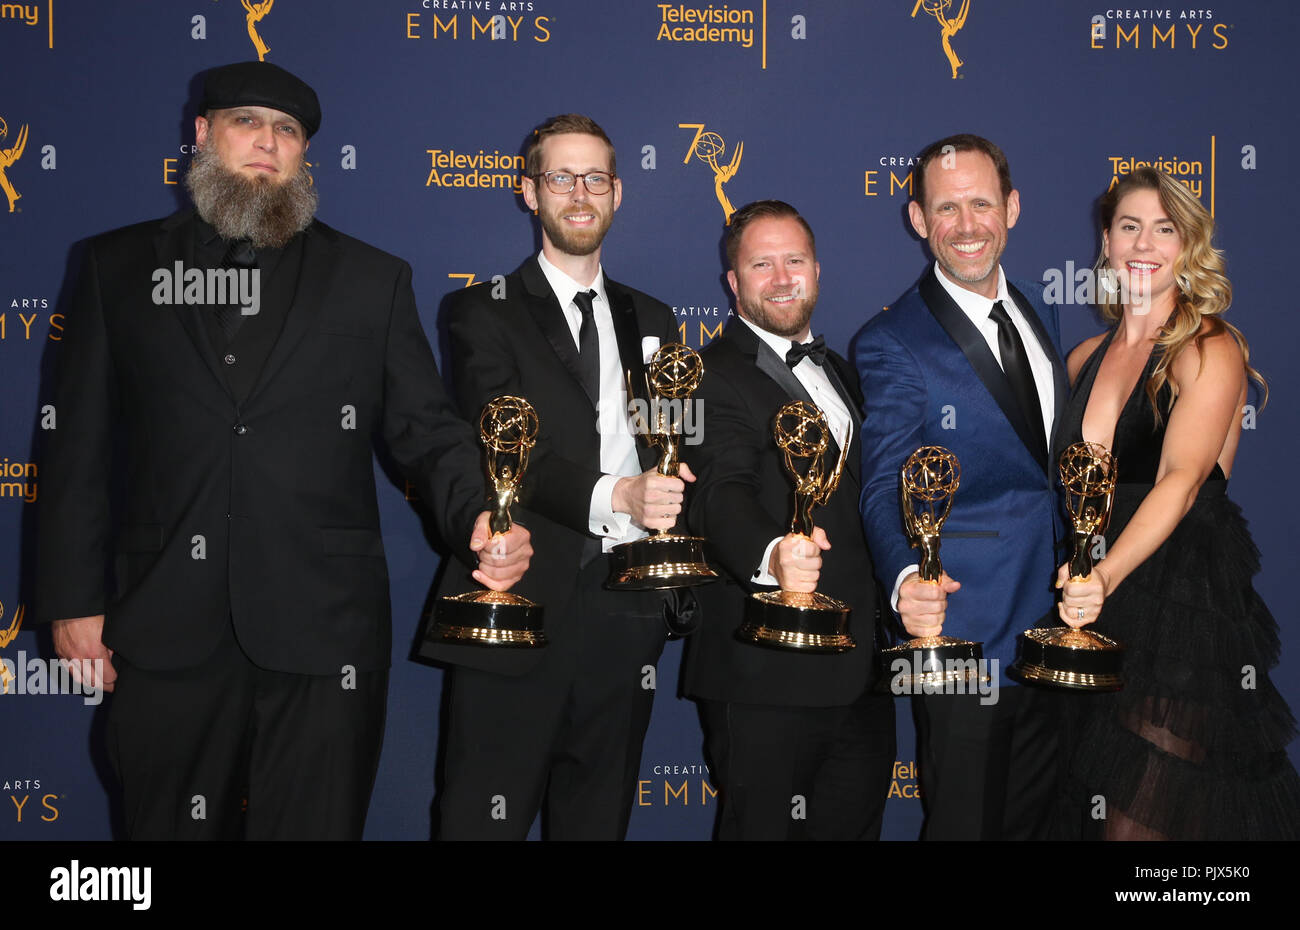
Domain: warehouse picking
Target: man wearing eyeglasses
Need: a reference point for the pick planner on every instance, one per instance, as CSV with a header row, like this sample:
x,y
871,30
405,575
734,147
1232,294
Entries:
x,y
562,725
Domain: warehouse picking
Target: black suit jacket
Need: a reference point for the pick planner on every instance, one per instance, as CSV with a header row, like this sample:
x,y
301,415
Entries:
x,y
521,344
263,511
742,500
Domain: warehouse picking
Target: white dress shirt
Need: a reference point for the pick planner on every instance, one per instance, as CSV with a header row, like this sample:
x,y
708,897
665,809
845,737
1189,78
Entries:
x,y
817,383
618,456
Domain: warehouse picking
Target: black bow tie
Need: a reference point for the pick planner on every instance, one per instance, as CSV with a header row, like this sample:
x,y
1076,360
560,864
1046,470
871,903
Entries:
x,y
815,350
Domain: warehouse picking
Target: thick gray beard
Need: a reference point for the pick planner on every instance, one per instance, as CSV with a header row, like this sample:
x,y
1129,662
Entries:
x,y
258,209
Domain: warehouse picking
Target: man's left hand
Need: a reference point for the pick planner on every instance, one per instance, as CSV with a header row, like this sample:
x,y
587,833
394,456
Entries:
x,y
503,558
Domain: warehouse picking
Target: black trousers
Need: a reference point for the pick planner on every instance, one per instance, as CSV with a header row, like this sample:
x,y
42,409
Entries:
x,y
191,746
989,772
567,734
801,773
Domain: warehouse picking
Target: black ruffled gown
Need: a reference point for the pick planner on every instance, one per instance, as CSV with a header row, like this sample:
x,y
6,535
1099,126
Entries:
x,y
1189,749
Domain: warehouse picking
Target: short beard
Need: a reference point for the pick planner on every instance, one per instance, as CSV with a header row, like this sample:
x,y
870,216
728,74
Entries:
x,y
754,310
571,241
265,212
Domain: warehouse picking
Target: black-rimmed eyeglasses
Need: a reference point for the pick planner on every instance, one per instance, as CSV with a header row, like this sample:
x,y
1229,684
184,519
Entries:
x,y
563,182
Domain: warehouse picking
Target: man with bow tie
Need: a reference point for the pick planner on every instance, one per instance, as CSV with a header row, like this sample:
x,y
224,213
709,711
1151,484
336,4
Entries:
x,y
798,744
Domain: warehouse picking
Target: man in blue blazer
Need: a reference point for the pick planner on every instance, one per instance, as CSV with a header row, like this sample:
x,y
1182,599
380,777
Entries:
x,y
970,361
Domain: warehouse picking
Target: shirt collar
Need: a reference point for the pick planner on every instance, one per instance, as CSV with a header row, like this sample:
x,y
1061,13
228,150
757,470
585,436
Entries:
x,y
205,233
207,236
564,287
976,306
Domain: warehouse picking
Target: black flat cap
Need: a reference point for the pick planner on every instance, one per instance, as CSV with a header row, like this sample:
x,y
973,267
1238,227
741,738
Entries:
x,y
261,84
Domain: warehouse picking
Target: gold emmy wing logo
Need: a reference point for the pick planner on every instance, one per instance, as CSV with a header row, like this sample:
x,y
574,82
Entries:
x,y
708,147
6,637
7,157
940,9
256,12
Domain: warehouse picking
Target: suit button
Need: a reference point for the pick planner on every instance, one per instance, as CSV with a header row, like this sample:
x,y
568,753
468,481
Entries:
x,y
240,429
229,360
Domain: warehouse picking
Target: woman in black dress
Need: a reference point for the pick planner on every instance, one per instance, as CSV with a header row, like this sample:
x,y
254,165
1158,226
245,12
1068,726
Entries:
x,y
1194,747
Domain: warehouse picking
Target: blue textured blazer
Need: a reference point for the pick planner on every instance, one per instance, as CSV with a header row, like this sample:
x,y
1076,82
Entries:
x,y
929,378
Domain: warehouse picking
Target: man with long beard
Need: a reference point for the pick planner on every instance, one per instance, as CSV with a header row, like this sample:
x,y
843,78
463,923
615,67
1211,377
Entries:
x,y
798,744
247,630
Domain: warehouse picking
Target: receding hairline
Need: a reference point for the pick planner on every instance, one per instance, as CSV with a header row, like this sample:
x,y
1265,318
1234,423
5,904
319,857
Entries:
x,y
810,245
609,149
926,188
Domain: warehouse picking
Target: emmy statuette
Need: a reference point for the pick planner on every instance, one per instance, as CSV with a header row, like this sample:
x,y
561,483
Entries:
x,y
1080,660
664,559
803,621
508,429
928,483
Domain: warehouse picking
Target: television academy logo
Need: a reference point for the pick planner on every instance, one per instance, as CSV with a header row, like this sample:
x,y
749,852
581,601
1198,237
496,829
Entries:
x,y
948,26
8,156
29,14
475,170
708,147
22,489
714,25
904,782
1188,171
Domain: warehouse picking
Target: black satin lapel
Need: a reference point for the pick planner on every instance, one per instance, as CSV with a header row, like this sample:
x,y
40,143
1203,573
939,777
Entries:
x,y
320,262
839,380
175,243
1060,380
628,335
772,365
963,332
549,316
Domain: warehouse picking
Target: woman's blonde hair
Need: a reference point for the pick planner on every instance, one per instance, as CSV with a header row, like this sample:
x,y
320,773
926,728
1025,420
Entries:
x,y
1204,293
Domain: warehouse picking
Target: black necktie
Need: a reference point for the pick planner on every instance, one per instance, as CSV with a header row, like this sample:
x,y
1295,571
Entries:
x,y
815,350
1015,364
588,345
240,255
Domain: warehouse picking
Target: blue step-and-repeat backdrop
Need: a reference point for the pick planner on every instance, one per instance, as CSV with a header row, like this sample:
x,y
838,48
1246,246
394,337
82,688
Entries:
x,y
427,106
